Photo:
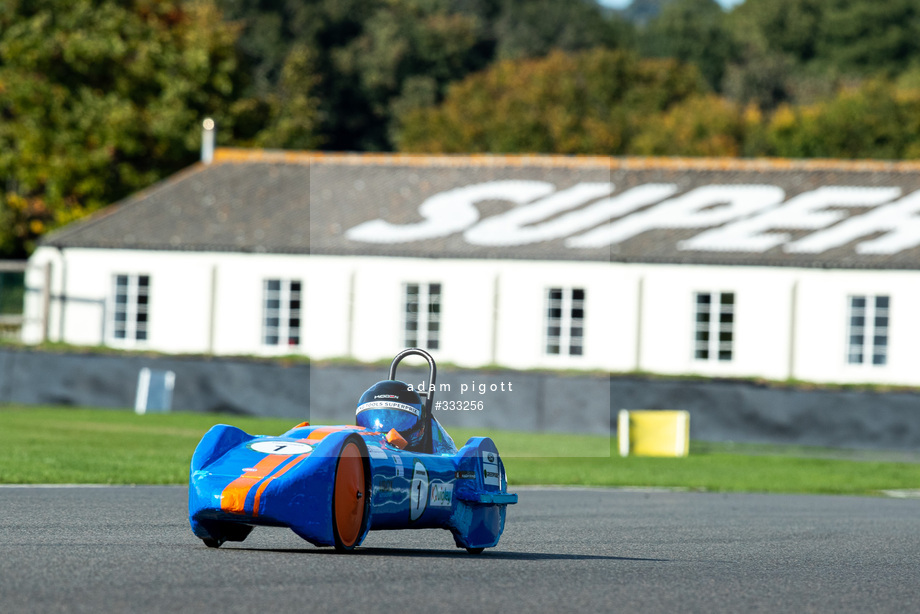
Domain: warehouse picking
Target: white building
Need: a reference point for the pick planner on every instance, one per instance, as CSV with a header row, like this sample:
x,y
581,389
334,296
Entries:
x,y
730,268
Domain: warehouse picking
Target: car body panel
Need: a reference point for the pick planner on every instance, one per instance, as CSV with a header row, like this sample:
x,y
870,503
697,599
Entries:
x,y
238,481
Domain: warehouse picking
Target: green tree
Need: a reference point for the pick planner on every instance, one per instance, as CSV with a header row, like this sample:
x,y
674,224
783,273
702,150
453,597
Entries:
x,y
774,44
699,126
406,52
292,113
875,120
692,31
376,60
785,27
99,99
533,28
760,77
869,37
370,59
861,38
589,102
640,12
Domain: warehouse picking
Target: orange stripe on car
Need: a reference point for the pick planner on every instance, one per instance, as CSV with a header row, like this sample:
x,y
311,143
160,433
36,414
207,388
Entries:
x,y
319,433
233,497
282,471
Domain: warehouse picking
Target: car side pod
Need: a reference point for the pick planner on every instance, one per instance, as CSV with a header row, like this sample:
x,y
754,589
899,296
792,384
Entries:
x,y
482,497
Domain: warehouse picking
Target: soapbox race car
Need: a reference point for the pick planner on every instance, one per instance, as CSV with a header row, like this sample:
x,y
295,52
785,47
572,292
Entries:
x,y
397,468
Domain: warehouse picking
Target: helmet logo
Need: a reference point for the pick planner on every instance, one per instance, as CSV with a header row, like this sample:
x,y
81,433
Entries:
x,y
415,411
386,396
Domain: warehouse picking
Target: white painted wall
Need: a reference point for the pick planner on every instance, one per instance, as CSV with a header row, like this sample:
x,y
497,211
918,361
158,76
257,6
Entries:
x,y
761,327
34,324
353,307
467,289
822,314
609,314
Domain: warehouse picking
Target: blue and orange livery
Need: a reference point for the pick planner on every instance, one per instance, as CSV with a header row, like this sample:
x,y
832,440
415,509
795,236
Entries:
x,y
333,484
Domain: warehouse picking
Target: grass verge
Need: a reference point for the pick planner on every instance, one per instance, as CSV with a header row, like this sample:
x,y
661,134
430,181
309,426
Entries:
x,y
62,446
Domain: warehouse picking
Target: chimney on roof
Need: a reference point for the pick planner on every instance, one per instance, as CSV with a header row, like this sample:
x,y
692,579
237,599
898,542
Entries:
x,y
207,140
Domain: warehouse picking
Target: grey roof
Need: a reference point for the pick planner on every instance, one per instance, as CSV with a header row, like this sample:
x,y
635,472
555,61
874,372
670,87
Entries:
x,y
217,207
298,202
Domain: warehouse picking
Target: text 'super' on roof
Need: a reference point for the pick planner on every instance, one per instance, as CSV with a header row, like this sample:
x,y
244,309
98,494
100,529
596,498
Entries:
x,y
820,213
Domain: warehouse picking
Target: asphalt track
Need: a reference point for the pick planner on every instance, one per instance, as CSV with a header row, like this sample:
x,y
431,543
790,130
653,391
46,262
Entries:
x,y
129,549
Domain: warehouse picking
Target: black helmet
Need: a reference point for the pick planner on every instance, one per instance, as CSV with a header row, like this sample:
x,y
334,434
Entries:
x,y
391,404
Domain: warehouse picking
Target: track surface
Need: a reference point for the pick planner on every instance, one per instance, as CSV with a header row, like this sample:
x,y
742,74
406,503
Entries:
x,y
125,549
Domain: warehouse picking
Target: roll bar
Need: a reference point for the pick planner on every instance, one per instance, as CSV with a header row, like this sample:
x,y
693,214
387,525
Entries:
x,y
428,394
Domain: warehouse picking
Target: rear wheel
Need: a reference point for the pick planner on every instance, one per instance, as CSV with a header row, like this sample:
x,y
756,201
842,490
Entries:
x,y
349,497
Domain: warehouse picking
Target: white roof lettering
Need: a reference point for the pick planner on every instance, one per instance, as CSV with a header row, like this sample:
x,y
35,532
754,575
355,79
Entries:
x,y
448,212
731,218
700,208
806,211
510,228
899,220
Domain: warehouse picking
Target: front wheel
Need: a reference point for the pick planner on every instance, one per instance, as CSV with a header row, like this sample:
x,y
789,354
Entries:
x,y
349,498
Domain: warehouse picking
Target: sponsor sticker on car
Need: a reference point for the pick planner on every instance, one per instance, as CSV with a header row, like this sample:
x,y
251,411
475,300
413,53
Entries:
x,y
441,495
280,446
490,473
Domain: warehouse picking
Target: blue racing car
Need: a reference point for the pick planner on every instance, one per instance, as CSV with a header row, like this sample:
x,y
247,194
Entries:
x,y
397,468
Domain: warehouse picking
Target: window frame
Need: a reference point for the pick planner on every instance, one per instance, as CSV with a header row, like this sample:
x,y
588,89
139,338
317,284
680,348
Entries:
x,y
559,329
863,354
130,298
707,346
427,315
288,331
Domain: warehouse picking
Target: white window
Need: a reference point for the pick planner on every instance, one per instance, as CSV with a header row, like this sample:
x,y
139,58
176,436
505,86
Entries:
x,y
565,321
130,315
281,312
714,333
423,316
867,330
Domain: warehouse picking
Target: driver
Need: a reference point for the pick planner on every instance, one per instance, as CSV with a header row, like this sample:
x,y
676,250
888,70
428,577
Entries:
x,y
391,407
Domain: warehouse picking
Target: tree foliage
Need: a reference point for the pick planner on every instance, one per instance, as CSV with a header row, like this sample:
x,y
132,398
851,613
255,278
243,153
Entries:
x,y
702,125
854,38
693,31
613,103
534,28
876,120
100,99
869,38
375,60
588,102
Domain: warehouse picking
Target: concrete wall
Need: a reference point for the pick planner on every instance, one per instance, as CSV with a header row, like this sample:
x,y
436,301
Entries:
x,y
721,410
202,385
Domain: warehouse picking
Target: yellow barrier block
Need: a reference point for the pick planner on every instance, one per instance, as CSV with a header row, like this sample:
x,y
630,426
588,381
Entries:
x,y
653,432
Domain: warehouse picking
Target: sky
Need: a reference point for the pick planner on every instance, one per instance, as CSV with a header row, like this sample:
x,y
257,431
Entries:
x,y
619,4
